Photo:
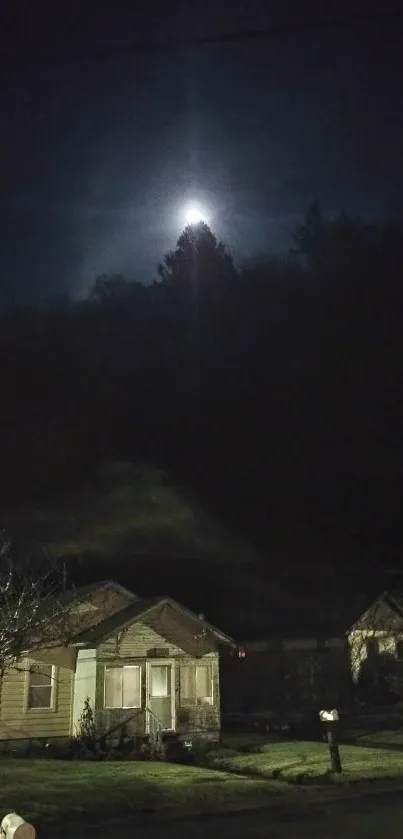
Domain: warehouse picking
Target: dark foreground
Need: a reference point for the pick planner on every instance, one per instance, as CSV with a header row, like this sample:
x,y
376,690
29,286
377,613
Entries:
x,y
370,817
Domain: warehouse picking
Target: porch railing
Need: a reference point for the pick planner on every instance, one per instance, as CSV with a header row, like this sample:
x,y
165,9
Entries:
x,y
155,726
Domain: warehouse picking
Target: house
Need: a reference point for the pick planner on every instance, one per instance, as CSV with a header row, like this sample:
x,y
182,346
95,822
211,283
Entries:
x,y
150,665
297,645
376,648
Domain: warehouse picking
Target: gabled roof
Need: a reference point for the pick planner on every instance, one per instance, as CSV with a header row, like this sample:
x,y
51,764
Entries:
x,y
136,612
59,611
384,613
395,600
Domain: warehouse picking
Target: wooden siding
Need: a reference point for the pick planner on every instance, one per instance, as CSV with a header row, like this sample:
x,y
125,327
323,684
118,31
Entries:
x,y
164,626
358,641
379,616
136,641
18,723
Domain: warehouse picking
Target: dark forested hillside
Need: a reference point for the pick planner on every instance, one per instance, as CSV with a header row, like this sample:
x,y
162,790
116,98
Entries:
x,y
271,391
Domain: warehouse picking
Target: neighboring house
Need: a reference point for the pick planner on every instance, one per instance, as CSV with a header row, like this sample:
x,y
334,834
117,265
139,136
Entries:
x,y
148,664
297,650
376,646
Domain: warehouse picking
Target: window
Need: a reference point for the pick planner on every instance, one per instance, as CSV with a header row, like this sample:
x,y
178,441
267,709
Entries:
x,y
41,682
160,680
196,684
123,687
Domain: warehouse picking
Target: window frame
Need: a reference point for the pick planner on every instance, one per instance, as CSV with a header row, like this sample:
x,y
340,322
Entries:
x,y
195,701
53,686
123,667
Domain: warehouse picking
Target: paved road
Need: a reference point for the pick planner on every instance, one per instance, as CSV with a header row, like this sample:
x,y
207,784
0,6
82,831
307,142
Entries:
x,y
376,817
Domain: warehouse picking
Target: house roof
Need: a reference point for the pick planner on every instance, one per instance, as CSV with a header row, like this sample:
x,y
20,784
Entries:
x,y
82,592
137,611
395,599
385,612
78,595
304,601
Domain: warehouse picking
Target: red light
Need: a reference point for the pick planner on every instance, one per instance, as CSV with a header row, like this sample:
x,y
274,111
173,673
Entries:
x,y
241,652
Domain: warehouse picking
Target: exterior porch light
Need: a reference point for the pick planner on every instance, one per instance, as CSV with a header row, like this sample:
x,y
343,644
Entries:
x,y
14,826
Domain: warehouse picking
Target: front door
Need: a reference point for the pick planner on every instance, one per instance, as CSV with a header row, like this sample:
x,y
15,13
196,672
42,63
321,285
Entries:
x,y
161,695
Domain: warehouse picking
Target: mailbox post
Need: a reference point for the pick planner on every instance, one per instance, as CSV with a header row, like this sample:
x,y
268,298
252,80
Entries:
x,y
330,720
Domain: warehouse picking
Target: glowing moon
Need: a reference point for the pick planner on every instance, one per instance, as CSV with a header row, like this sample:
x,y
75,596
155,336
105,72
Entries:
x,y
194,214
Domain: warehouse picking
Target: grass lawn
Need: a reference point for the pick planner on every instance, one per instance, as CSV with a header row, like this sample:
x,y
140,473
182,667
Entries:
x,y
45,791
300,761
382,738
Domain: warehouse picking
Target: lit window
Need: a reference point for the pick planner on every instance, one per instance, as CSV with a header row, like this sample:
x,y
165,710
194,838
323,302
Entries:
x,y
196,684
41,680
123,687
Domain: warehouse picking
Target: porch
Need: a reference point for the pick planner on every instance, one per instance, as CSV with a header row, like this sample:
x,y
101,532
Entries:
x,y
156,699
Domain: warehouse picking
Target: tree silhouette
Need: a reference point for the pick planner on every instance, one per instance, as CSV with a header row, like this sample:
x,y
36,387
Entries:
x,y
200,265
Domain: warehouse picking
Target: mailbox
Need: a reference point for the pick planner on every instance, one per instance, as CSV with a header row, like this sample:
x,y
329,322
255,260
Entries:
x,y
329,716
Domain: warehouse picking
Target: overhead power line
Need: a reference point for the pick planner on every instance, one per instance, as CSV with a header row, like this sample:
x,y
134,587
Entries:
x,y
219,38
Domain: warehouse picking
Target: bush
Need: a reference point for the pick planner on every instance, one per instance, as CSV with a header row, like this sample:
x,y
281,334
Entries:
x,y
86,745
86,734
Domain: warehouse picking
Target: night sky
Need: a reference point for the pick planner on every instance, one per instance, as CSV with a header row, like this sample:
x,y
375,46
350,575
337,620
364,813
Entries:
x,y
98,156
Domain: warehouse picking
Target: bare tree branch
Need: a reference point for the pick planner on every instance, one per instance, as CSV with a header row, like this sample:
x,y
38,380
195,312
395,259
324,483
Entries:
x,y
32,613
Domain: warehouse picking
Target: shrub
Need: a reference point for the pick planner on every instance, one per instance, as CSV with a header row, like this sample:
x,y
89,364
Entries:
x,y
85,745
